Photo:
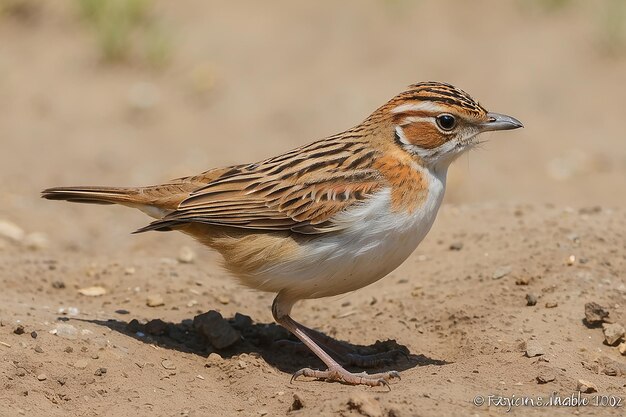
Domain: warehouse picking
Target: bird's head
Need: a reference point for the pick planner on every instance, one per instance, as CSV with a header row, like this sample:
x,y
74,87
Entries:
x,y
436,122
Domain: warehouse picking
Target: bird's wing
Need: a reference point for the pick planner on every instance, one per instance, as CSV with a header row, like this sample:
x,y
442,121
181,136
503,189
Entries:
x,y
302,191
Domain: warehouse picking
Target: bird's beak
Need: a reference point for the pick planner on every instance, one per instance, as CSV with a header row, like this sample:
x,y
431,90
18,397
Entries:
x,y
498,121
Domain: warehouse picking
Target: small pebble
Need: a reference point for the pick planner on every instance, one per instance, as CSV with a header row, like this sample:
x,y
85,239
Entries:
x,y
33,334
167,364
59,285
533,348
586,386
186,255
531,299
622,348
100,371
20,372
552,304
155,301
522,281
297,403
38,349
613,332
595,314
501,272
456,246
42,377
19,329
95,291
545,377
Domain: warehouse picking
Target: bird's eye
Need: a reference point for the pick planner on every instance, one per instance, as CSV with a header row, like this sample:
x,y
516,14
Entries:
x,y
446,121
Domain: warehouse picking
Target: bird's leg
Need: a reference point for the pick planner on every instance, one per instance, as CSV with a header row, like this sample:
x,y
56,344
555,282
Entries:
x,y
349,356
335,372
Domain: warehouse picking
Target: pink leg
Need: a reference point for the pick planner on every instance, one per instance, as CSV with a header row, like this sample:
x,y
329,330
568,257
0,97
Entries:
x,y
335,372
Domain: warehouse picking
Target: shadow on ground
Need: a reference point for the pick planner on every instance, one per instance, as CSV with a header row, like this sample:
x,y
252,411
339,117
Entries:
x,y
272,342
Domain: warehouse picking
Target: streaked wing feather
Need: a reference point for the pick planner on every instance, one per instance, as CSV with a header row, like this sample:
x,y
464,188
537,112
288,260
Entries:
x,y
294,194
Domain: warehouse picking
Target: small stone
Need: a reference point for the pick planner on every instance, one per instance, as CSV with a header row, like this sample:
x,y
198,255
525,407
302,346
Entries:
x,y
622,348
522,281
20,372
545,377
58,285
456,246
552,304
156,327
501,272
129,271
33,334
242,364
613,332
38,349
223,299
155,301
68,349
62,380
595,314
531,299
167,364
216,329
186,255
365,404
42,377
11,231
81,364
586,386
100,371
19,329
66,331
297,404
571,260
533,348
241,321
213,360
95,291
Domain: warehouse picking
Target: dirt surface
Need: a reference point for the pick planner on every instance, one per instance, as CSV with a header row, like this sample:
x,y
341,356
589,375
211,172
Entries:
x,y
535,217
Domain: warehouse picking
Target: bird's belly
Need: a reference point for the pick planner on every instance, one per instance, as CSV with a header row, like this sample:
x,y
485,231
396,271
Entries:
x,y
364,252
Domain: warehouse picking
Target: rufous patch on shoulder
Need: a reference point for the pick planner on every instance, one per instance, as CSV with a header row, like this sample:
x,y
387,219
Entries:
x,y
409,188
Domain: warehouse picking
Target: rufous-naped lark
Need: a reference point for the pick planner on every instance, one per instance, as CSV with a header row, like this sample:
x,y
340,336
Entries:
x,y
326,218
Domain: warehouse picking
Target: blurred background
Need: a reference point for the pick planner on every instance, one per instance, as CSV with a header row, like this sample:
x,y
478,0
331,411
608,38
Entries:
x,y
136,92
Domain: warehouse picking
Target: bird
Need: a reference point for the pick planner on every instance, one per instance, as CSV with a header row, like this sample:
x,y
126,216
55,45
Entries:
x,y
326,218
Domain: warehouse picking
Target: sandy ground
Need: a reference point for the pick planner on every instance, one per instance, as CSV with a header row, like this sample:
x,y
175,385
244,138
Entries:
x,y
537,211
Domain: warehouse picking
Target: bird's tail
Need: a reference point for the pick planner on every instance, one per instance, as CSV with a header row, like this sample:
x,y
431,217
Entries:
x,y
94,195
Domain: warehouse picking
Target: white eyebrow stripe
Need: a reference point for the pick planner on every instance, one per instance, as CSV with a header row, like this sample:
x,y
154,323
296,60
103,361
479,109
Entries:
x,y
413,119
422,106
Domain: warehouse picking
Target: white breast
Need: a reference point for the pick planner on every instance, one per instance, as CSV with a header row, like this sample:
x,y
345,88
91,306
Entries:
x,y
375,243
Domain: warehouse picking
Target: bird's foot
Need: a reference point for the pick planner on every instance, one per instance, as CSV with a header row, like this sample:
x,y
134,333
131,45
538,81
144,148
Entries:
x,y
339,374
